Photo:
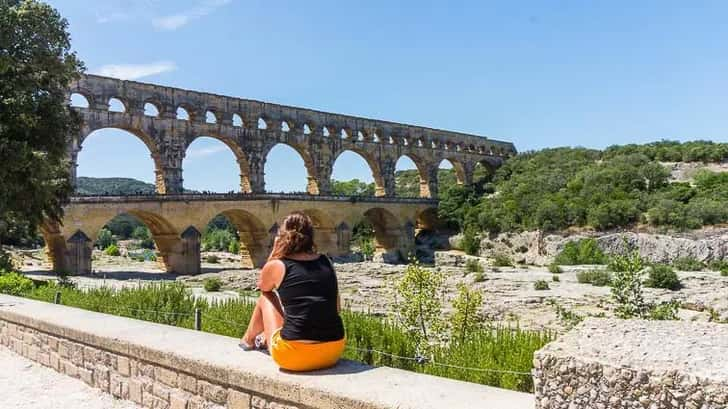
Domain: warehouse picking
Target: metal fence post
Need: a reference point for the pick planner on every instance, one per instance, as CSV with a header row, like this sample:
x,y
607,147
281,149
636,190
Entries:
x,y
57,298
198,319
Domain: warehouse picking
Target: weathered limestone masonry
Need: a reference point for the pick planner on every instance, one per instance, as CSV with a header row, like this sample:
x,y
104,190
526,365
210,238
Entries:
x,y
177,222
251,128
159,366
620,364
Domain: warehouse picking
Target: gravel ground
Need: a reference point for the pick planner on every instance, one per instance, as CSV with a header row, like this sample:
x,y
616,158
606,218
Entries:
x,y
27,385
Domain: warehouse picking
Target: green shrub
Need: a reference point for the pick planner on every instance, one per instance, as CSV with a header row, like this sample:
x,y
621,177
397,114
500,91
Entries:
x,y
541,285
465,319
724,272
598,278
105,239
212,259
688,264
112,250
502,260
6,262
15,284
479,277
718,265
215,239
662,276
584,251
664,311
555,268
367,247
234,247
555,278
473,266
470,242
212,284
627,286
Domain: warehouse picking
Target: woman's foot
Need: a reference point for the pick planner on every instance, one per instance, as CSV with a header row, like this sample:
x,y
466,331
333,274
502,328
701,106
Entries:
x,y
256,343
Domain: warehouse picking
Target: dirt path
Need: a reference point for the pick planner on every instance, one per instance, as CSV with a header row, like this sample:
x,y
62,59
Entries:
x,y
27,385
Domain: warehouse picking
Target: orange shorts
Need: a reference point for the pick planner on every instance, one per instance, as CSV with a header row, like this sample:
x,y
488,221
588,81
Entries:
x,y
305,356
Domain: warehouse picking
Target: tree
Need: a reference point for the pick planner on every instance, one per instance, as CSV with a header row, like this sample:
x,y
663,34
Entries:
x,y
419,304
36,69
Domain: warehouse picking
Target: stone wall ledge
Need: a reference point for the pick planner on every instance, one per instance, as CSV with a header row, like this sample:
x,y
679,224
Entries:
x,y
611,363
163,358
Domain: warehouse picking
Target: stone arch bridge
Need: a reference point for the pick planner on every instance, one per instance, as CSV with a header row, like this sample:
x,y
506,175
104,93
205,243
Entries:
x,y
169,119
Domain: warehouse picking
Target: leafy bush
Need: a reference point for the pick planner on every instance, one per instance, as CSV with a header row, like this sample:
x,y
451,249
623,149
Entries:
x,y
215,239
479,277
367,247
555,278
502,260
541,285
662,276
212,284
465,319
470,242
105,239
113,251
419,303
584,251
6,262
15,283
234,247
718,265
212,259
473,266
627,285
688,264
598,278
555,268
724,272
664,311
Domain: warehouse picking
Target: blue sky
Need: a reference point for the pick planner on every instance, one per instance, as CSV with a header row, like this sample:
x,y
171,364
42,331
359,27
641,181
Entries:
x,y
538,73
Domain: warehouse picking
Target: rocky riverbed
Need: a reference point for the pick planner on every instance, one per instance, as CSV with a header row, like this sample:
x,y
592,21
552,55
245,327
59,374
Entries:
x,y
508,292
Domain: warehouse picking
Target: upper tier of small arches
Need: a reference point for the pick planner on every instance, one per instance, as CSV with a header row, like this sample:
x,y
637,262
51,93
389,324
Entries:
x,y
114,95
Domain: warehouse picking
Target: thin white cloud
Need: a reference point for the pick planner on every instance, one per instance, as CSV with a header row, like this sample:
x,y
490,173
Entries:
x,y
136,71
112,17
177,20
208,151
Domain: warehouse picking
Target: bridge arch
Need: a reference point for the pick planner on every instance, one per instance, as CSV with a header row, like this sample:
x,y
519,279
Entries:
x,y
458,166
312,182
324,230
148,141
410,161
369,160
387,227
238,153
255,239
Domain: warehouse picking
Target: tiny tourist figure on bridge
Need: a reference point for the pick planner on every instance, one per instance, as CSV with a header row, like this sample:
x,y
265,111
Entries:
x,y
297,315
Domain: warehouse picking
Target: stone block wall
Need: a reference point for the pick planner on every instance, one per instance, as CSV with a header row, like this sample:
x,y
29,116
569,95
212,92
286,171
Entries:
x,y
161,366
125,377
620,364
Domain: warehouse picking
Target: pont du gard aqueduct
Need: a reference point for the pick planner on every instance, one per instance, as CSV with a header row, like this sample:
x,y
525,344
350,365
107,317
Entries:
x,y
251,129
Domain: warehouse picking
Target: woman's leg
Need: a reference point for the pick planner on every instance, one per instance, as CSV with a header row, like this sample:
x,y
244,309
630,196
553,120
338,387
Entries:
x,y
267,317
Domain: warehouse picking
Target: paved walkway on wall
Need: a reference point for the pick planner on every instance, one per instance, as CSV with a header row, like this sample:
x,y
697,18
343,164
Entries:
x,y
26,385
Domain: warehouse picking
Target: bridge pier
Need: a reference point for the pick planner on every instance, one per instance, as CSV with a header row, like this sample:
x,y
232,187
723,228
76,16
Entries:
x,y
180,255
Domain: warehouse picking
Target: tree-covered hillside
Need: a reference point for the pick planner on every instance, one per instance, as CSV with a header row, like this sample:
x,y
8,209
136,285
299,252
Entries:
x,y
619,187
112,186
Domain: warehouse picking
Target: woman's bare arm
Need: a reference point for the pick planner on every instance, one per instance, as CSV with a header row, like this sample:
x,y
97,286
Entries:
x,y
271,275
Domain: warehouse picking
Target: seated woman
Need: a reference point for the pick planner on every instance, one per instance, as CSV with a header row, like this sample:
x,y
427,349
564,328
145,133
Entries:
x,y
297,313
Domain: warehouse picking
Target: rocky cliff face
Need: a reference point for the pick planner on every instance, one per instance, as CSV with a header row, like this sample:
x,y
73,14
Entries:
x,y
540,249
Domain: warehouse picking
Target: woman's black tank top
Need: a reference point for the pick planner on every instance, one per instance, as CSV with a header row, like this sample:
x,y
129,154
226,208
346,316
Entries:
x,y
308,293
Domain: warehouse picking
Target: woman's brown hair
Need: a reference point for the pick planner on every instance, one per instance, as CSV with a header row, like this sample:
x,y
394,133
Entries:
x,y
295,235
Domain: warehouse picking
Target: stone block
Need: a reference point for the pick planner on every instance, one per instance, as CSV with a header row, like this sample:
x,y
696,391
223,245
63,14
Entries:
x,y
165,376
64,349
44,358
135,391
212,392
122,366
116,383
86,376
238,400
161,391
102,379
187,382
69,368
33,352
177,401
55,361
151,401
53,343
